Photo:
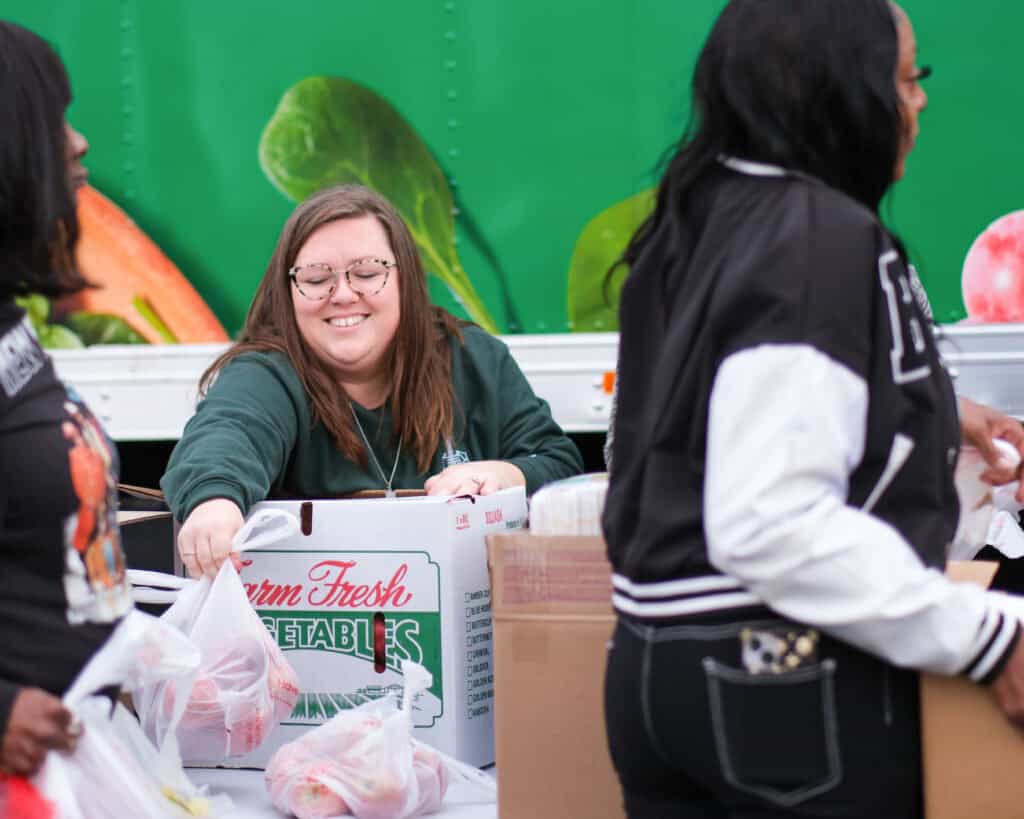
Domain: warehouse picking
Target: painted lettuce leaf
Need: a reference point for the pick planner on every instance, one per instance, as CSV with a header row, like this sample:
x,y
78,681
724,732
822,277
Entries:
x,y
331,130
591,308
51,336
96,328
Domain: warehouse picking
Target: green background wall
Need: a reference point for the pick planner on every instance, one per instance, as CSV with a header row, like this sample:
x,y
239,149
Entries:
x,y
543,113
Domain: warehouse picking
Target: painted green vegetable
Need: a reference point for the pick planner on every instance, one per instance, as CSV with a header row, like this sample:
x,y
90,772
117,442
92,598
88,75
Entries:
x,y
330,130
94,328
592,307
37,308
51,336
59,337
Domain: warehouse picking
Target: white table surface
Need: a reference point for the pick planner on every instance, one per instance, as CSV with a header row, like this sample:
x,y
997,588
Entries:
x,y
247,791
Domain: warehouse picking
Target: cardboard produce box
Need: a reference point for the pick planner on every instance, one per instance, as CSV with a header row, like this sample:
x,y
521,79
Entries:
x,y
368,583
551,599
551,604
973,757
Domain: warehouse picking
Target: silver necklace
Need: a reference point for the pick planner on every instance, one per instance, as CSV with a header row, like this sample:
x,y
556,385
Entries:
x,y
388,491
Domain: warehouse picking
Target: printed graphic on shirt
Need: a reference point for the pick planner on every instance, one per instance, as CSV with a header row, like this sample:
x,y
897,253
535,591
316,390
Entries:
x,y
451,457
20,357
95,582
920,294
908,355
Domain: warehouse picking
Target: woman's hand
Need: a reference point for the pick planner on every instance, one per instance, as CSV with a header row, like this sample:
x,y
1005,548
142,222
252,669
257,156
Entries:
x,y
1008,687
38,722
979,424
204,541
475,478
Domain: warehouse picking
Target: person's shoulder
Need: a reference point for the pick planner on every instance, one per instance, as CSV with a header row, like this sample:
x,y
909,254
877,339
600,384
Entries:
x,y
483,348
805,226
844,207
830,210
475,337
256,369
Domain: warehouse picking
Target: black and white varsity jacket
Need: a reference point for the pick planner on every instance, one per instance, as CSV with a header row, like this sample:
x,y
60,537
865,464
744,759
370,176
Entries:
x,y
786,434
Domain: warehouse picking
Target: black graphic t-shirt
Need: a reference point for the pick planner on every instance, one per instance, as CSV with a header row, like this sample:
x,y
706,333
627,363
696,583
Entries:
x,y
62,571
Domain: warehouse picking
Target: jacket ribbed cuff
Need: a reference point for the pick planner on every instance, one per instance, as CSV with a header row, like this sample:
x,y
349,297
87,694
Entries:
x,y
1000,633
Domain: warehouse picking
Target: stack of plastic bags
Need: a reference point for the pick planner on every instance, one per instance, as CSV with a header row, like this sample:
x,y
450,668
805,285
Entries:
x,y
115,770
570,507
365,763
244,685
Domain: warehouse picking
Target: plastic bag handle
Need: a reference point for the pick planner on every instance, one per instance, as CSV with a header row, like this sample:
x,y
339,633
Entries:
x,y
276,524
467,773
156,587
159,580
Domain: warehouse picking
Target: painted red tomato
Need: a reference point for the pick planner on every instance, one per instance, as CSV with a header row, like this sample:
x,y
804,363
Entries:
x,y
993,276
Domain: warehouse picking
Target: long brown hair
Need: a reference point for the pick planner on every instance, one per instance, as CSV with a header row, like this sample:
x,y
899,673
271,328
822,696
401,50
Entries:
x,y
418,361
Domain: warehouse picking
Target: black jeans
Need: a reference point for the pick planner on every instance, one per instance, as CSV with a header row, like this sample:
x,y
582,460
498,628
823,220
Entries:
x,y
694,734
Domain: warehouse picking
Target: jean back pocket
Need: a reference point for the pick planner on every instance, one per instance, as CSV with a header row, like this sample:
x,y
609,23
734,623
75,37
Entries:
x,y
776,734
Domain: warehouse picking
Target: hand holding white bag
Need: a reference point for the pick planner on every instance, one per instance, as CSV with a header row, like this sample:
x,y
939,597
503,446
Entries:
x,y
364,762
115,770
244,685
987,514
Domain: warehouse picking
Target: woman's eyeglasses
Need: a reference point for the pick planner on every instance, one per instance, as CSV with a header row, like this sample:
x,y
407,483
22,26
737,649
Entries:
x,y
318,281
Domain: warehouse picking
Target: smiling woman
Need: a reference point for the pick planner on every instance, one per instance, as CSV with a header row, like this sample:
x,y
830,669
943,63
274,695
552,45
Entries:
x,y
345,378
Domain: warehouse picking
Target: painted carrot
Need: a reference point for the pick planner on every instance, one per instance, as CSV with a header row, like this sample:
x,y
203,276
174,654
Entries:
x,y
135,280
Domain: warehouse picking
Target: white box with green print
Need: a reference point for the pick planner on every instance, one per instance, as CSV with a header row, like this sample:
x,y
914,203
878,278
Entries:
x,y
368,583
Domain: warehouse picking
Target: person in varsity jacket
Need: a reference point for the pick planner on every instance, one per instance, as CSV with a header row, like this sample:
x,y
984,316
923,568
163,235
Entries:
x,y
62,574
781,491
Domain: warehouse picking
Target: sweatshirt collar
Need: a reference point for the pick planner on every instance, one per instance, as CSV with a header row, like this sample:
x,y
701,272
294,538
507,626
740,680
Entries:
x,y
751,168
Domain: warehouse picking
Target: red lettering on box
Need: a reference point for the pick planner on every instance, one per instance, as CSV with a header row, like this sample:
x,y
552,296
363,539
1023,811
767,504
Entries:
x,y
273,594
493,516
340,593
461,522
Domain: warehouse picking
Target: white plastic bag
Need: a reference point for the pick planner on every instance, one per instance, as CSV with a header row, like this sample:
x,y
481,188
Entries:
x,y
365,763
115,770
244,685
987,514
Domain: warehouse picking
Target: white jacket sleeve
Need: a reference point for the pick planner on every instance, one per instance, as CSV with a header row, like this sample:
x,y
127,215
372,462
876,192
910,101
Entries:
x,y
786,429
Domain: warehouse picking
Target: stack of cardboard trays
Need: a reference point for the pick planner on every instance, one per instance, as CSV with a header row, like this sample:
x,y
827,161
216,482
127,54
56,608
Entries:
x,y
368,583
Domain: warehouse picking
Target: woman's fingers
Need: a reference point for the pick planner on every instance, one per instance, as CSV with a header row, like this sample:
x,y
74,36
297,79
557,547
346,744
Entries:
x,y
205,555
489,482
463,480
187,551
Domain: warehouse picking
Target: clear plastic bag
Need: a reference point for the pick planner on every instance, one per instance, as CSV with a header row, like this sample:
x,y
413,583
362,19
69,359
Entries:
x,y
365,763
115,770
244,685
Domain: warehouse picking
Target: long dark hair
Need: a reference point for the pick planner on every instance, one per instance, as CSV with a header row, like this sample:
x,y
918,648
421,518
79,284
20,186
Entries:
x,y
419,361
809,85
38,227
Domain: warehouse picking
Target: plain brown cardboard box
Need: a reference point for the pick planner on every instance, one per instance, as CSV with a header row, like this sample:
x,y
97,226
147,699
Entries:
x,y
552,619
973,757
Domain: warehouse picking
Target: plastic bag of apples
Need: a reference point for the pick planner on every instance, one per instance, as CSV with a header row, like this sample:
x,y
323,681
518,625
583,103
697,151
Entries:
x,y
365,763
244,685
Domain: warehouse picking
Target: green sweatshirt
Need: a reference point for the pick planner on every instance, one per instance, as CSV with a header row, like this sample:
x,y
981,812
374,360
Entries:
x,y
251,437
